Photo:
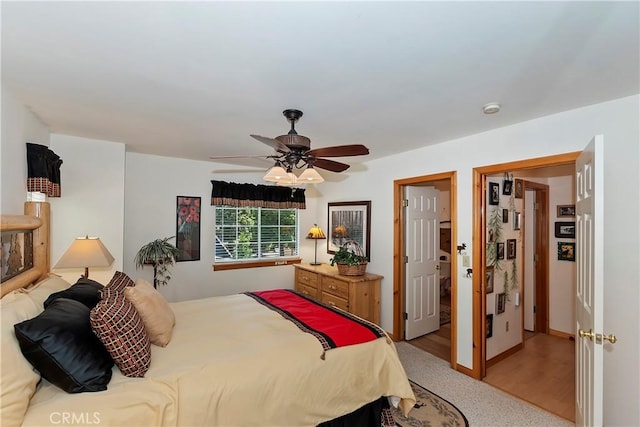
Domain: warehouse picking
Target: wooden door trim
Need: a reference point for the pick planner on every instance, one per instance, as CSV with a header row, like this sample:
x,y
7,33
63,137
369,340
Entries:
x,y
398,253
479,367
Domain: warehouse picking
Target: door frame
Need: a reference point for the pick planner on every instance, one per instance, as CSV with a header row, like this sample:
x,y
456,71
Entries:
x,y
479,350
541,247
399,278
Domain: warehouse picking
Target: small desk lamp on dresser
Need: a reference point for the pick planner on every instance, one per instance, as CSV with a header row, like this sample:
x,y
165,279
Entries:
x,y
316,234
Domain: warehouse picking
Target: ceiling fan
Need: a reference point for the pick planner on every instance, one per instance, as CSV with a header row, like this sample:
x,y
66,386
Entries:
x,y
293,151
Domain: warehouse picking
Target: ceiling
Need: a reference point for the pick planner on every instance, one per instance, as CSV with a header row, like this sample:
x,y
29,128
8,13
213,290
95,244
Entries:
x,y
194,79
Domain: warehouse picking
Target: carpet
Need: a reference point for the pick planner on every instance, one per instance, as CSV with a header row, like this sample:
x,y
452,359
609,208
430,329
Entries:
x,y
445,314
430,410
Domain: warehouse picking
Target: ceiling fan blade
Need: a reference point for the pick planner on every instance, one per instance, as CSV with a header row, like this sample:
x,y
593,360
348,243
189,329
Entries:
x,y
273,143
340,151
330,165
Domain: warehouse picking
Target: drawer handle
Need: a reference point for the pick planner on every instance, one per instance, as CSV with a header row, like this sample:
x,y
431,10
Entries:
x,y
331,303
333,288
305,293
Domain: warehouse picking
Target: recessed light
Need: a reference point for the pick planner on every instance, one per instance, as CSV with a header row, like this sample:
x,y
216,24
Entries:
x,y
491,108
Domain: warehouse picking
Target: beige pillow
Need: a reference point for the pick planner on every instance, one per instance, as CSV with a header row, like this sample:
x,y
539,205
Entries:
x,y
157,316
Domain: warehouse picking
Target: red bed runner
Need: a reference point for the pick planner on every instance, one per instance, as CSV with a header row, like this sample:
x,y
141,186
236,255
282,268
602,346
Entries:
x,y
333,327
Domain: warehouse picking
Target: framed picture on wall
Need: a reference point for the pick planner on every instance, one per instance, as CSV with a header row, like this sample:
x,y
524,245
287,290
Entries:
x,y
566,229
501,302
188,228
488,279
517,218
489,326
566,251
349,221
566,210
518,189
511,248
500,250
505,215
494,193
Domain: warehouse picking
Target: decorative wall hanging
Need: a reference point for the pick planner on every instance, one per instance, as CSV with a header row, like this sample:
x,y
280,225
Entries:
x,y
188,228
501,302
566,210
517,217
500,250
566,251
507,184
565,229
519,189
489,326
349,221
505,215
494,193
489,273
511,248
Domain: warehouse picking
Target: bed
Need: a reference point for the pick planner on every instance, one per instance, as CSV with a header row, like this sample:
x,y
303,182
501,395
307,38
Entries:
x,y
230,361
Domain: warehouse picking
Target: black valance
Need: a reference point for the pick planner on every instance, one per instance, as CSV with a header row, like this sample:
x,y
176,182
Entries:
x,y
43,170
257,196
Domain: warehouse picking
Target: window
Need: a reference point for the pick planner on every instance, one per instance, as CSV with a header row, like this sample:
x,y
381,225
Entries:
x,y
255,234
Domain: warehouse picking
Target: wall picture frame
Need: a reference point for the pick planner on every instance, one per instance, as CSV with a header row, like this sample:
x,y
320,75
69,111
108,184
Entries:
x,y
566,251
566,211
518,189
500,250
489,326
505,215
565,229
501,302
511,249
517,219
349,221
507,187
188,228
488,279
494,194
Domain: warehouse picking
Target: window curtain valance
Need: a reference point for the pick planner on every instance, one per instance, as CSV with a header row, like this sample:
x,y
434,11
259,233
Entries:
x,y
257,196
43,170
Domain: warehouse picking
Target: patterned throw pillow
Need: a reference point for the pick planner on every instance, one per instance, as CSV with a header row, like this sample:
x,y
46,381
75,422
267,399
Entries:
x,y
119,282
118,325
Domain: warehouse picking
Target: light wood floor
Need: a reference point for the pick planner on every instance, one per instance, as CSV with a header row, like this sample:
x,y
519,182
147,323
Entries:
x,y
543,373
437,343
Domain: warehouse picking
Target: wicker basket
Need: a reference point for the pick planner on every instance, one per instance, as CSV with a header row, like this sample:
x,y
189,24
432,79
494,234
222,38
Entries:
x,y
352,270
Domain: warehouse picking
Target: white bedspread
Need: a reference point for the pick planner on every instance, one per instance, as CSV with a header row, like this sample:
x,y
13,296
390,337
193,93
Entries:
x,y
234,362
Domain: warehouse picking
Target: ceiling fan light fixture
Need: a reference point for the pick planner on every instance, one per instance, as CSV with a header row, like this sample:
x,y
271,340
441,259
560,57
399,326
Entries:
x,y
310,176
276,174
289,179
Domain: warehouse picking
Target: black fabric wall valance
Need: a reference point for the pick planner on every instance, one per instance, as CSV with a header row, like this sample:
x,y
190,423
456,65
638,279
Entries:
x,y
257,196
43,170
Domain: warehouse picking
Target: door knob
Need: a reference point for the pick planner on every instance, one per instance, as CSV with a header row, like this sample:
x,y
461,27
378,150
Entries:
x,y
584,334
611,338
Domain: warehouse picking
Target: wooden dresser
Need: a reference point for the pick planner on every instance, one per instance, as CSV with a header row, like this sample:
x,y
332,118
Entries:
x,y
359,295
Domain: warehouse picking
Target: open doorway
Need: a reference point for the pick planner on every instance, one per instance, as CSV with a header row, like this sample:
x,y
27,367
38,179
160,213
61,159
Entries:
x,y
541,304
442,341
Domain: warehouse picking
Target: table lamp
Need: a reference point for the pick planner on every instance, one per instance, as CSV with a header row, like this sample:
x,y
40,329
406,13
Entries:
x,y
85,252
316,234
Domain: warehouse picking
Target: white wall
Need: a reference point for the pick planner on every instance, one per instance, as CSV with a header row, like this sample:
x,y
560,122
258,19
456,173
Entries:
x,y
561,133
152,185
92,202
562,274
19,126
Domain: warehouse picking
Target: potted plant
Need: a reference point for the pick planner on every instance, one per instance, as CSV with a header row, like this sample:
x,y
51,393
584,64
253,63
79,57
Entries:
x,y
350,259
161,254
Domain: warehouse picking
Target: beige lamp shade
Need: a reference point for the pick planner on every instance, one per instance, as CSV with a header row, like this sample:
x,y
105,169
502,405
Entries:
x,y
85,252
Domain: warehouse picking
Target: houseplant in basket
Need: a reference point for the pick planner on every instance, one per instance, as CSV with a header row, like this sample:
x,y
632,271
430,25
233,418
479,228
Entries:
x,y
350,259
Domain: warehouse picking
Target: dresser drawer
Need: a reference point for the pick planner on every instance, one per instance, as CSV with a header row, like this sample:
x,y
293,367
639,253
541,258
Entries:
x,y
306,278
335,287
307,290
335,301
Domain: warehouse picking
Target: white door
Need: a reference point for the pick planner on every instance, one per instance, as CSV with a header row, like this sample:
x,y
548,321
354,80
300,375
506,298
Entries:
x,y
422,267
589,288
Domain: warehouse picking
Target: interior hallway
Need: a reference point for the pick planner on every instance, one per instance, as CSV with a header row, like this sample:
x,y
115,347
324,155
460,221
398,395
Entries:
x,y
543,373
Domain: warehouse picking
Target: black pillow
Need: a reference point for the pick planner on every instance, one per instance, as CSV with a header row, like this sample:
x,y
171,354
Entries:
x,y
60,344
86,291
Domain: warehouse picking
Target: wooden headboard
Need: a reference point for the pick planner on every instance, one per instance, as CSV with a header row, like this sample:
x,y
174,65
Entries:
x,y
37,218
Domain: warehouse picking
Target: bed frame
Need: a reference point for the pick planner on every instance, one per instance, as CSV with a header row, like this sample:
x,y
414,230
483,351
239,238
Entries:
x,y
36,218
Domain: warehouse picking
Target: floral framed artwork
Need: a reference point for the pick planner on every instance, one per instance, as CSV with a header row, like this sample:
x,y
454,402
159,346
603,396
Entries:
x,y
188,228
349,221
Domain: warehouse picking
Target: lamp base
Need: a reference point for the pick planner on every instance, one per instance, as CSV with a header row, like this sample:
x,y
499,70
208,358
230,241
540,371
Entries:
x,y
315,263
